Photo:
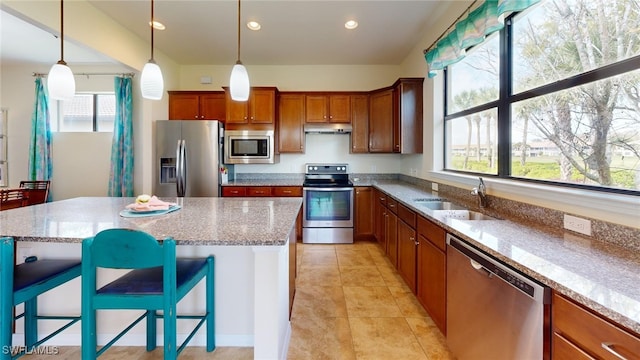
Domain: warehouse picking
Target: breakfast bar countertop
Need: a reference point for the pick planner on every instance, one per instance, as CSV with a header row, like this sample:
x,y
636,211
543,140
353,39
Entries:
x,y
200,221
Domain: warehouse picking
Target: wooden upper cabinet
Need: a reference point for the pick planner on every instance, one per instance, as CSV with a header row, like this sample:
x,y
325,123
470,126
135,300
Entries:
x,y
381,121
407,127
196,105
291,123
259,109
360,123
332,108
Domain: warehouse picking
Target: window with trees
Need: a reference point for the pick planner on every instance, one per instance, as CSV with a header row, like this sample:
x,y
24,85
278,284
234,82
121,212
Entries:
x,y
553,97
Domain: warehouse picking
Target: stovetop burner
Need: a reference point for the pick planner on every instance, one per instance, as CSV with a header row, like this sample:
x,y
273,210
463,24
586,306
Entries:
x,y
326,175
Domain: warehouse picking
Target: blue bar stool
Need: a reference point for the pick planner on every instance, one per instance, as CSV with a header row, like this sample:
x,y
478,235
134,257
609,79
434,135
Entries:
x,y
22,284
157,282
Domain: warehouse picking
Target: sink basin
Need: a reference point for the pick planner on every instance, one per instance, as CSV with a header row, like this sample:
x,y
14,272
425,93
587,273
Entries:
x,y
462,215
440,205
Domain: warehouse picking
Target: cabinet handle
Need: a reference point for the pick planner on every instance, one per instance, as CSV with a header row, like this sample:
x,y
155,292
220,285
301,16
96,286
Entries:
x,y
392,205
609,347
287,191
381,199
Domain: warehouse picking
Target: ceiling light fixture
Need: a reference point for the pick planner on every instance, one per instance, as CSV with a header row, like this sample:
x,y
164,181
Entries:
x,y
151,82
351,24
254,25
157,25
60,81
239,81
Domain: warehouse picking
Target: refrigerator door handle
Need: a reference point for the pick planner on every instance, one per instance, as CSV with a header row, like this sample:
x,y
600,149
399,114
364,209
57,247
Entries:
x,y
179,167
183,176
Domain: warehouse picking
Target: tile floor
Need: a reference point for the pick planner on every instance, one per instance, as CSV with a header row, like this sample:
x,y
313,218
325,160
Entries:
x,y
350,304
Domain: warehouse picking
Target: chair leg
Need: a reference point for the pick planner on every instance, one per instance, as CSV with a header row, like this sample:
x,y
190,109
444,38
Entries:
x,y
151,329
170,346
211,306
89,341
31,322
6,297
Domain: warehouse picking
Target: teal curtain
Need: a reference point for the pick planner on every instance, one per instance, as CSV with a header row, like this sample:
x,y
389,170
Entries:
x,y
472,30
121,174
40,164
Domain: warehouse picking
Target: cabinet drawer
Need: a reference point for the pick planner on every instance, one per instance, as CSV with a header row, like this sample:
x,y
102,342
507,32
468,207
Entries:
x,y
563,349
589,331
392,204
432,232
229,191
382,198
285,191
259,191
407,215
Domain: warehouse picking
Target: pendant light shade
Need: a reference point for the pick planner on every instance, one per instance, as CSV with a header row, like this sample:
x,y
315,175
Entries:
x,y
151,81
60,82
239,82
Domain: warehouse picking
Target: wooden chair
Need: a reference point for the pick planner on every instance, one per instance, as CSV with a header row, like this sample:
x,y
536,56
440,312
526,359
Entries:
x,y
23,284
13,198
157,281
37,191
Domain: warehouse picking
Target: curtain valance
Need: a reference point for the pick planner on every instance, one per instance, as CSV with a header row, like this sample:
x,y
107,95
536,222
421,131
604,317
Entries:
x,y
470,31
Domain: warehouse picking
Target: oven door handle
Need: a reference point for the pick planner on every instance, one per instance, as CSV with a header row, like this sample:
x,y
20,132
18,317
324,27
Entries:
x,y
327,188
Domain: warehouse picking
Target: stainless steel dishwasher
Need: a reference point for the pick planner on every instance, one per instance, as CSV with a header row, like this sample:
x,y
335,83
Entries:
x,y
493,311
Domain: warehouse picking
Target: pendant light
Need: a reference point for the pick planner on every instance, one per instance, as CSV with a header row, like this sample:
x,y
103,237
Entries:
x,y
151,82
239,82
60,82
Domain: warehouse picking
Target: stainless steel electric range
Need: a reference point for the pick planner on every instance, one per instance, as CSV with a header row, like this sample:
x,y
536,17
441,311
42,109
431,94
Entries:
x,y
327,204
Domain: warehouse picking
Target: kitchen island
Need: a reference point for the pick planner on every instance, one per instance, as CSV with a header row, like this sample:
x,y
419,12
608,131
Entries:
x,y
248,236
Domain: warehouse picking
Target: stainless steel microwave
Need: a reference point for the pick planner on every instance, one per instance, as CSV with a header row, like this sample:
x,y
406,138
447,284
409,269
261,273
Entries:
x,y
249,147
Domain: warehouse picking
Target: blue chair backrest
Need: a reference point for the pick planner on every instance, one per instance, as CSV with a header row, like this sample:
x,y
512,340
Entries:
x,y
128,249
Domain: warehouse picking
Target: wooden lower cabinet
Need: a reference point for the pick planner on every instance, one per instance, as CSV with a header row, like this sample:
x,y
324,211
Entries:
x,y
234,191
363,213
391,236
432,271
578,333
380,215
407,250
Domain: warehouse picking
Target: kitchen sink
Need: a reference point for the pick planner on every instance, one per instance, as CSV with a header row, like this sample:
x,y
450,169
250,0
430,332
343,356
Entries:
x,y
440,205
462,215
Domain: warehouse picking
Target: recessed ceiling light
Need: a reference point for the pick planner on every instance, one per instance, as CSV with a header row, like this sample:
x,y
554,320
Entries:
x,y
157,25
351,24
254,25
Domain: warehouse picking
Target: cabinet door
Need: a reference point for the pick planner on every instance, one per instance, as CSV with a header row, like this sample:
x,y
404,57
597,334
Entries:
x,y
291,124
407,249
212,107
432,281
360,123
380,216
408,116
263,106
183,107
237,112
363,226
340,108
316,108
391,237
381,122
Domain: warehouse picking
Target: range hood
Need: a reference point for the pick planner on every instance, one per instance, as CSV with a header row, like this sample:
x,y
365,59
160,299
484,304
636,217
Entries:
x,y
324,128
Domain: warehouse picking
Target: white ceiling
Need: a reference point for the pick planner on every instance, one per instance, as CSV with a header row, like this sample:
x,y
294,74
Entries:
x,y
300,32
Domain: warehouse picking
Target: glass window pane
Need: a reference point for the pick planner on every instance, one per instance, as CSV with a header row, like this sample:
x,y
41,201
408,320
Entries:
x,y
475,80
78,114
559,39
584,135
471,142
106,112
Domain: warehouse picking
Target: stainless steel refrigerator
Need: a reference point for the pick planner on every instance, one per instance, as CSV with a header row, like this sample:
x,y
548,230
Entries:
x,y
188,158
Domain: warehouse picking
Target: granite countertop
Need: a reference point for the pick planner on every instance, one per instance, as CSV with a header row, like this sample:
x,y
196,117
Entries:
x,y
200,221
604,277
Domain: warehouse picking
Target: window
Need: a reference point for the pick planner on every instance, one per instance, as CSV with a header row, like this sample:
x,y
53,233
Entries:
x,y
567,106
84,113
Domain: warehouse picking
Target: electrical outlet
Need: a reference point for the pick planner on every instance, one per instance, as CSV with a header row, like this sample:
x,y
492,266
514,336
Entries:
x,y
23,253
374,168
434,186
582,226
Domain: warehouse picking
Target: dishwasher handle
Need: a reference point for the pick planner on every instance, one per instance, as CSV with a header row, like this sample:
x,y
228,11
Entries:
x,y
494,268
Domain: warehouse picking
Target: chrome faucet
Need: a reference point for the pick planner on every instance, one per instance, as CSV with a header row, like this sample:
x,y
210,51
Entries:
x,y
481,193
